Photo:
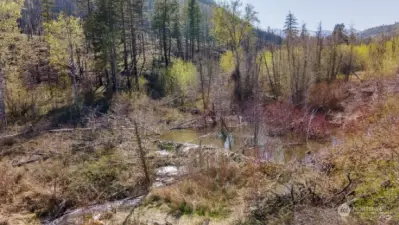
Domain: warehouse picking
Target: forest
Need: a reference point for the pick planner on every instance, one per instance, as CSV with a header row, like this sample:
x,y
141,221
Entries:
x,y
187,112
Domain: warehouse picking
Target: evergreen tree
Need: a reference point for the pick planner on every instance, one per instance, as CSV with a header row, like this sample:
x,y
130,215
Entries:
x,y
176,33
164,12
194,21
103,27
47,6
291,29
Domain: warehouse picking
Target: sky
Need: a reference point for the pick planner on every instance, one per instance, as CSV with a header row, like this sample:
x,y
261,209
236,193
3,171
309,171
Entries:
x,y
361,14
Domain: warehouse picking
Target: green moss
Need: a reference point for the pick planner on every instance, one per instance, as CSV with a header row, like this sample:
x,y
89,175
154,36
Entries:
x,y
379,191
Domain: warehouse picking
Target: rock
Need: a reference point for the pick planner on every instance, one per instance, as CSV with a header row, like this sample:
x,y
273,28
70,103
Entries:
x,y
168,171
163,153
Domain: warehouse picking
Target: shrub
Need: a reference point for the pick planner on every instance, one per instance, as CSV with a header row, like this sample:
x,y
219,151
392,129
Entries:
x,y
181,77
324,96
227,62
99,180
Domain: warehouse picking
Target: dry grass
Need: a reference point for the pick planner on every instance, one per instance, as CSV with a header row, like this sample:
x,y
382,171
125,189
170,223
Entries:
x,y
206,192
370,155
81,167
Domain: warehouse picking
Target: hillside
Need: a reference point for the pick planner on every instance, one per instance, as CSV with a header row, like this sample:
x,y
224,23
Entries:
x,y
388,30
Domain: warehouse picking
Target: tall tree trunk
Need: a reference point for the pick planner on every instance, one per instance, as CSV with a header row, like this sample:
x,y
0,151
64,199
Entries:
x,y
72,69
125,52
134,45
192,42
186,49
113,57
113,65
164,36
202,78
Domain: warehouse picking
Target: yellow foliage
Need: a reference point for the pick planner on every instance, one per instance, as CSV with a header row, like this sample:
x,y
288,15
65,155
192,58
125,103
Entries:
x,y
181,76
64,37
229,28
10,11
227,62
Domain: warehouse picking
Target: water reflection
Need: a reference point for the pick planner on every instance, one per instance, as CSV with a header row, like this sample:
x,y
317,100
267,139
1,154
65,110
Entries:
x,y
268,149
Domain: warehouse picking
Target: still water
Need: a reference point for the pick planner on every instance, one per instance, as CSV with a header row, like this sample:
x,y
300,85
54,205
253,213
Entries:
x,y
267,148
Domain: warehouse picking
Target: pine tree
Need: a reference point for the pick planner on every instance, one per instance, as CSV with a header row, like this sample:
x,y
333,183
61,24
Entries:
x,y
164,12
103,29
291,31
291,28
194,21
176,33
47,6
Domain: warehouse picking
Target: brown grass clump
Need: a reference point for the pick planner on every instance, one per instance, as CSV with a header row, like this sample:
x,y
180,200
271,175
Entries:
x,y
9,184
206,192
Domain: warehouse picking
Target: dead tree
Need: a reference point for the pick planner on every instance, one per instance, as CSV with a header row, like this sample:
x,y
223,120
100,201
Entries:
x,y
142,154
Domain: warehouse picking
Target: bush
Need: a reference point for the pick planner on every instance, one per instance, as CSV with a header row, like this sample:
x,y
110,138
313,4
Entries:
x,y
227,62
97,179
181,77
326,96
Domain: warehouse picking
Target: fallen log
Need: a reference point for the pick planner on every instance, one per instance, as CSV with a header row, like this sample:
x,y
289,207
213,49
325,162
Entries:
x,y
69,130
31,160
186,124
81,212
10,136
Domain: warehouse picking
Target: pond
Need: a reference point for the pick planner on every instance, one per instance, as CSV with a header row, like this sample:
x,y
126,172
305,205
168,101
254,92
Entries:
x,y
240,139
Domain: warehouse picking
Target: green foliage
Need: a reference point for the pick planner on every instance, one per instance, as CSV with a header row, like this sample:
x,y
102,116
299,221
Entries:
x,y
100,30
10,11
379,190
230,25
227,62
164,12
291,27
181,77
46,10
64,37
194,19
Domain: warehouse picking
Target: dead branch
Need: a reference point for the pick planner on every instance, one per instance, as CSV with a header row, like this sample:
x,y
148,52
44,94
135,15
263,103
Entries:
x,y
186,124
10,136
69,130
169,101
32,160
348,176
